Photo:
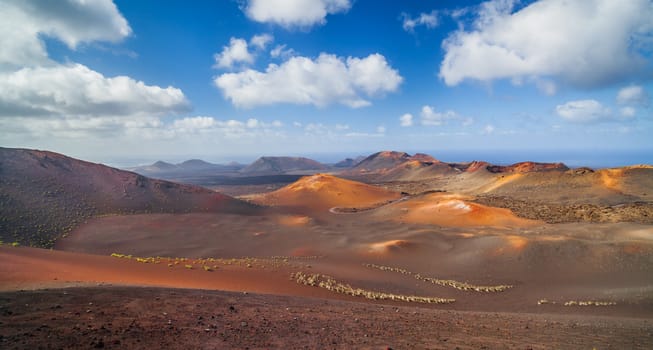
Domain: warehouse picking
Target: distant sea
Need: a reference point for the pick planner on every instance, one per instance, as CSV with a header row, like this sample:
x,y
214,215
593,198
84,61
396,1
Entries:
x,y
574,159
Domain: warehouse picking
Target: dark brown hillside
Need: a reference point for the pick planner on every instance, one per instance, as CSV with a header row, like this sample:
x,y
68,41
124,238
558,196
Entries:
x,y
381,161
349,162
527,167
282,165
43,195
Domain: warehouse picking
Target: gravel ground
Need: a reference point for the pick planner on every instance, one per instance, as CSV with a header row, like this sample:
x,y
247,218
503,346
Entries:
x,y
152,318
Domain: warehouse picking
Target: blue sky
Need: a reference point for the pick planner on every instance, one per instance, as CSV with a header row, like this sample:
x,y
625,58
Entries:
x,y
224,80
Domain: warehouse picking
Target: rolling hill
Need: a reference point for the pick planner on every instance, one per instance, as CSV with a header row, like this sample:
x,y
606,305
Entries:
x,y
282,165
381,162
321,192
44,195
450,210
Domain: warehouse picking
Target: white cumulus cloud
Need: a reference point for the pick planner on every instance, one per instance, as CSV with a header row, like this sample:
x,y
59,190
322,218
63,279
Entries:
x,y
236,52
633,95
294,13
42,98
628,112
23,22
64,90
261,41
488,129
33,85
328,79
372,74
583,111
210,125
406,120
431,117
429,20
582,43
193,124
281,51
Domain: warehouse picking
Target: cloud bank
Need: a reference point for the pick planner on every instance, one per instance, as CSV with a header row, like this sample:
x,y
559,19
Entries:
x,y
34,86
585,44
326,80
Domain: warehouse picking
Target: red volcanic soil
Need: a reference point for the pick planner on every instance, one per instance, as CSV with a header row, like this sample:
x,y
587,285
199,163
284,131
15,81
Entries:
x,y
33,268
557,262
474,166
150,318
145,317
421,157
321,192
380,161
193,235
397,166
400,166
415,170
511,282
452,211
44,195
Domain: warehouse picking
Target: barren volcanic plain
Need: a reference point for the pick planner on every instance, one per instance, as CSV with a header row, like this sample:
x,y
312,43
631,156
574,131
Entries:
x,y
394,251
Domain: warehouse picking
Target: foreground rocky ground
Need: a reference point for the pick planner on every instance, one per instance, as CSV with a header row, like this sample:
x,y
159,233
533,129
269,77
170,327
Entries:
x,y
151,318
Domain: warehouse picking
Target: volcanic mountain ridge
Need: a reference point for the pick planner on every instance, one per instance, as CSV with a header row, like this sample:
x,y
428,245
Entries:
x,y
282,165
44,194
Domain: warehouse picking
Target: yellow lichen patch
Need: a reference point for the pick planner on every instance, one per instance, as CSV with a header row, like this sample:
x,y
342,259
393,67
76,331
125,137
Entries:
x,y
589,303
464,286
389,268
577,302
211,264
329,283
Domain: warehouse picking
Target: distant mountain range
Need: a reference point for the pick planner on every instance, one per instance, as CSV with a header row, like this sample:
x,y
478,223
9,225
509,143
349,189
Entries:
x,y
380,166
401,166
44,195
349,162
192,165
